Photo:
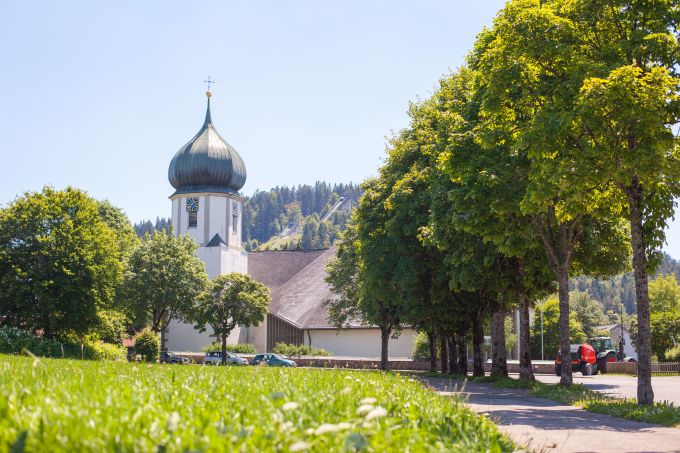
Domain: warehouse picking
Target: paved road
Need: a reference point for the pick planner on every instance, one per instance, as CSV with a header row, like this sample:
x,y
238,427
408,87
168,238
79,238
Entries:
x,y
546,426
666,388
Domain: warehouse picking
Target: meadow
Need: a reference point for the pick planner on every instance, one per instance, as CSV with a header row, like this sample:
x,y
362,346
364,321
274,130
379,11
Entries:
x,y
72,405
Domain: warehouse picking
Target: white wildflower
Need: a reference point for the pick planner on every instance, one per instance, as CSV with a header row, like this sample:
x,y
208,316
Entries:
x,y
346,391
290,406
376,413
299,446
330,428
364,408
369,400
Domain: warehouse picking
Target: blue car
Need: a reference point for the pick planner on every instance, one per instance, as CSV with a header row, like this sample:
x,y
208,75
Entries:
x,y
271,359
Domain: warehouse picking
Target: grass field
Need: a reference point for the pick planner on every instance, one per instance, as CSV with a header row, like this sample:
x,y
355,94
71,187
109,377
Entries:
x,y
68,405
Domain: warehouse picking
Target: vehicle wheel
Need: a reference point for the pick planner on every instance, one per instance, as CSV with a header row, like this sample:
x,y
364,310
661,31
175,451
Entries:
x,y
558,370
587,369
208,363
596,369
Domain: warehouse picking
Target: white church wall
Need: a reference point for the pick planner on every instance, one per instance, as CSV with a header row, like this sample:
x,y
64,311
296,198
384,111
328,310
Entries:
x,y
257,336
182,337
218,214
360,342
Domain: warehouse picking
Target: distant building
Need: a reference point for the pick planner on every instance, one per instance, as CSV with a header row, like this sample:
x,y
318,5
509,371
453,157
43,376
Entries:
x,y
207,174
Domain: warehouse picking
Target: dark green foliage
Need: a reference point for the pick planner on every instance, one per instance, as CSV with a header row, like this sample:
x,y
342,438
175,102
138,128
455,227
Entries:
x,y
59,262
239,348
267,213
148,345
147,227
299,350
16,342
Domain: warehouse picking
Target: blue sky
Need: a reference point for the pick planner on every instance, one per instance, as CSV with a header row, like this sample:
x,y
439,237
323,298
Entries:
x,y
101,95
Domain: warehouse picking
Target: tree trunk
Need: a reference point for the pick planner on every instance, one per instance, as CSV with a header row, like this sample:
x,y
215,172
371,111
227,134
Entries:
x,y
224,349
477,345
444,354
384,343
462,350
565,341
433,351
499,355
645,393
525,371
453,354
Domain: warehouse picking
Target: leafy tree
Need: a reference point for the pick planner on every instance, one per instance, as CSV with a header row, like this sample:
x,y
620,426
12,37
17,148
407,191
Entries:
x,y
524,61
587,312
664,294
116,219
231,300
59,263
164,278
551,331
112,326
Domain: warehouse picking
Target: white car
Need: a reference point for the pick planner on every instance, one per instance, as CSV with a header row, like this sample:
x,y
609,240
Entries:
x,y
215,358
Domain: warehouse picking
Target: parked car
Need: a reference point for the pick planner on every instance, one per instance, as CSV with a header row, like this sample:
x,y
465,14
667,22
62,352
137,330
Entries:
x,y
215,358
272,359
171,357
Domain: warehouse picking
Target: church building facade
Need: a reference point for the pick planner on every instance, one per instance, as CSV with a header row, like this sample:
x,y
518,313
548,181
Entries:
x,y
207,174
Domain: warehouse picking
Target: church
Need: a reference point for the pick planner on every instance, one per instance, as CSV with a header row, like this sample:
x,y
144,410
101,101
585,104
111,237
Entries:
x,y
207,174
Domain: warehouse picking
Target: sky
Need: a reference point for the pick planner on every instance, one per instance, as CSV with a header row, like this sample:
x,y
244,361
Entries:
x,y
100,95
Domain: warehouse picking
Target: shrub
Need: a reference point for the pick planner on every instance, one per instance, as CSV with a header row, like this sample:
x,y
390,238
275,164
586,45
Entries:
x,y
240,348
673,354
148,345
15,341
421,346
111,327
299,350
104,351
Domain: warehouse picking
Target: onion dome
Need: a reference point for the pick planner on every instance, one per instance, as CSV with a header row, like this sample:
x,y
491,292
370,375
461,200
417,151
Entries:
x,y
207,163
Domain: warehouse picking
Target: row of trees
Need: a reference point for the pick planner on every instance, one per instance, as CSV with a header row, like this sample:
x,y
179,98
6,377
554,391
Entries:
x,y
73,269
549,155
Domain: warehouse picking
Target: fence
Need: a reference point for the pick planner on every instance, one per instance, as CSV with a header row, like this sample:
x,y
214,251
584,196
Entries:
x,y
658,369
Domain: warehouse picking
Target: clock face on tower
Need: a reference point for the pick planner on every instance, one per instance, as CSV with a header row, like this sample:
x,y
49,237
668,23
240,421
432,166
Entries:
x,y
192,204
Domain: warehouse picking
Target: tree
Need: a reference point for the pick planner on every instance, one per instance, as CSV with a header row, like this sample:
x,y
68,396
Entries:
x,y
664,294
163,280
59,263
231,300
525,61
551,331
116,219
587,311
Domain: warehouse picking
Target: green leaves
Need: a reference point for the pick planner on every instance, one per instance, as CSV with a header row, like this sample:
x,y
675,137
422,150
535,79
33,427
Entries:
x,y
163,279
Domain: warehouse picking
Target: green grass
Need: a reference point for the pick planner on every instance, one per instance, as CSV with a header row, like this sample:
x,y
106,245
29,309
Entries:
x,y
69,405
662,413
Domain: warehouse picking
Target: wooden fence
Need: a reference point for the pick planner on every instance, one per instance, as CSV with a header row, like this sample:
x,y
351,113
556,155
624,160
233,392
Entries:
x,y
658,369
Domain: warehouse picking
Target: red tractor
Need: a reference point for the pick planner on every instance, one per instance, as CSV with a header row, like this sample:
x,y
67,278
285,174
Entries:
x,y
583,359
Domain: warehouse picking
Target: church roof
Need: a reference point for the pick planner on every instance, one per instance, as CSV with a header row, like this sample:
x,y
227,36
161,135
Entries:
x,y
300,299
207,163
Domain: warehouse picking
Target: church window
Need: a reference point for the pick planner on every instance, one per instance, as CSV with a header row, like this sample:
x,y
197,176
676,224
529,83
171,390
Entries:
x,y
193,219
234,216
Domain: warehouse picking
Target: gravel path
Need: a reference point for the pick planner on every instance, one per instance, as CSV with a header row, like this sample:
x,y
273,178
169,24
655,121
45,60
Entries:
x,y
547,426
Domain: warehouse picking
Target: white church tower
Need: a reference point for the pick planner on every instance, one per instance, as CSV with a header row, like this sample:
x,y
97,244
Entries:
x,y
207,174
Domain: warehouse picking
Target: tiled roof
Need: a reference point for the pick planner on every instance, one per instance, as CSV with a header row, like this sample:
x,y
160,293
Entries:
x,y
274,268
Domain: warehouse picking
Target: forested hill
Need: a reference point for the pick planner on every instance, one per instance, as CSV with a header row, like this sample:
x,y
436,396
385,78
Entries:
x,y
302,207
268,213
622,287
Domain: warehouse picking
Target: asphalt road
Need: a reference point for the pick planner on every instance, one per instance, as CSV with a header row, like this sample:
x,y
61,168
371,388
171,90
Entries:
x,y
547,426
666,388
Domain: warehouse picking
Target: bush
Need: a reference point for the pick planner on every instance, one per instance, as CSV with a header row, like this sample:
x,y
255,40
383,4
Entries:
x,y
299,350
148,345
673,354
111,327
240,348
421,347
16,341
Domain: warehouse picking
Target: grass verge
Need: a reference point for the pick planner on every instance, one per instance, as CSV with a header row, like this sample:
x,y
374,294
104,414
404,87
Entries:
x,y
69,405
662,413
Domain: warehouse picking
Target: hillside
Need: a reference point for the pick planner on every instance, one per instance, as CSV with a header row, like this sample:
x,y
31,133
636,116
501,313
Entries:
x,y
612,292
289,218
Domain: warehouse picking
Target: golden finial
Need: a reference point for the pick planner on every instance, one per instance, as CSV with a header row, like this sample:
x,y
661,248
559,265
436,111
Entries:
x,y
209,82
